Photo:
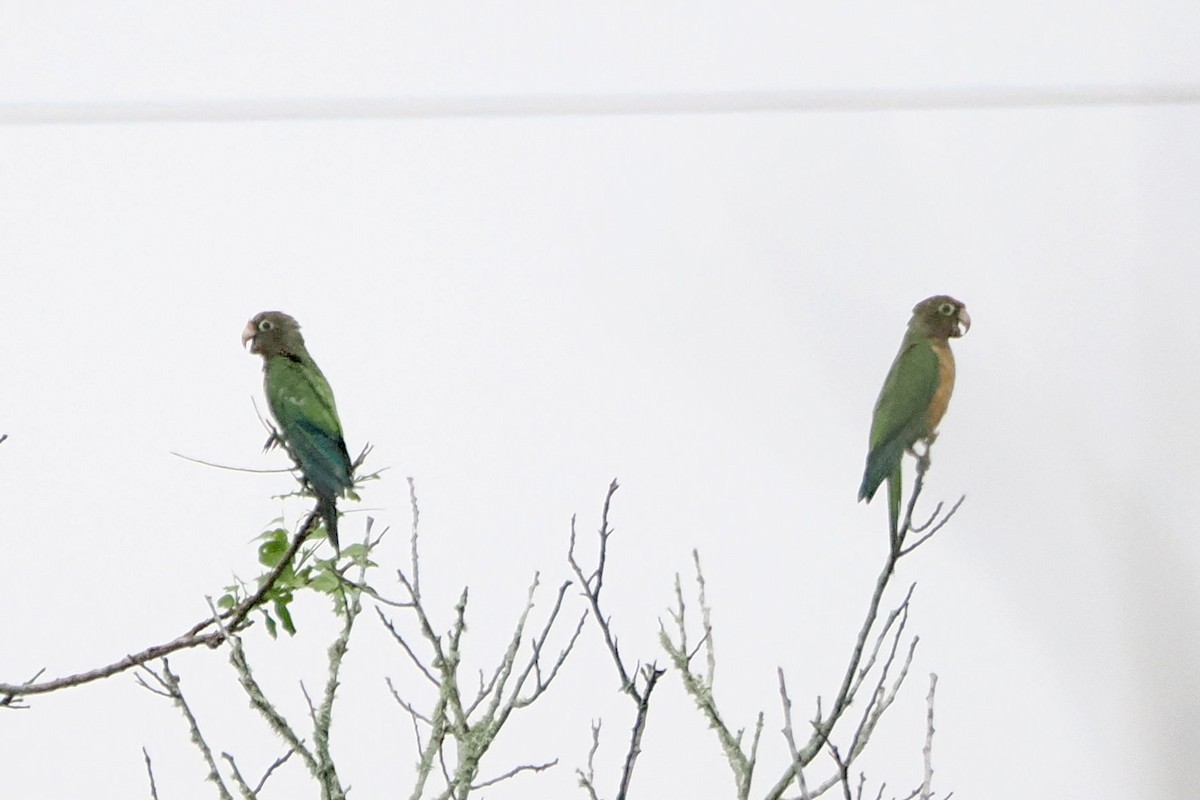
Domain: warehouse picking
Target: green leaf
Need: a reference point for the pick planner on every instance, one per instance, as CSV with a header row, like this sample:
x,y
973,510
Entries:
x,y
354,552
290,579
270,625
271,551
274,533
324,581
285,616
226,602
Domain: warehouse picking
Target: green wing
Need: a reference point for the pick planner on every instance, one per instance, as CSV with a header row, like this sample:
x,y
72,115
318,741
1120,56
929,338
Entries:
x,y
302,403
901,414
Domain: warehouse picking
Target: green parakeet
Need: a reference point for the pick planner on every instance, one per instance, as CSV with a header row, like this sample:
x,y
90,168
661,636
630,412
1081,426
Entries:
x,y
914,395
302,403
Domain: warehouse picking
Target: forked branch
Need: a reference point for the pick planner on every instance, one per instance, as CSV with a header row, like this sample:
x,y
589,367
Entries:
x,y
637,683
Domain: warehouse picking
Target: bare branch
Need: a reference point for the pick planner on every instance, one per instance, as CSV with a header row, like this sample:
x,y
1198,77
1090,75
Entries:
x,y
899,613
591,588
843,770
276,764
908,527
13,701
516,681
233,618
323,717
228,468
700,687
508,661
432,750
243,786
592,584
512,773
149,768
416,660
170,685
534,664
248,792
588,779
927,751
416,715
936,527
856,670
650,674
881,698
415,588
259,702
789,735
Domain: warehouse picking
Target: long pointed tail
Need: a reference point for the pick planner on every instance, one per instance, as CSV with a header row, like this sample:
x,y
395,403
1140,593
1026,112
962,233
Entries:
x,y
894,493
329,513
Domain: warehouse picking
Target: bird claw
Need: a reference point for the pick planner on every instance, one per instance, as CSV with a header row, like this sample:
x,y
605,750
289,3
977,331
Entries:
x,y
273,441
923,459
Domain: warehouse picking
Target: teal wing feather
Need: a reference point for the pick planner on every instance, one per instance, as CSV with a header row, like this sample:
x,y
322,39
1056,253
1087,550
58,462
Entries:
x,y
901,414
302,403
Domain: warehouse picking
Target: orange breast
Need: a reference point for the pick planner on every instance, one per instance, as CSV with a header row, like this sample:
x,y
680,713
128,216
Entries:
x,y
941,397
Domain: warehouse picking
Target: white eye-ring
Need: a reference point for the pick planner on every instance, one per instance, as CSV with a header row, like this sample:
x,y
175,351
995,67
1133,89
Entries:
x,y
266,325
945,309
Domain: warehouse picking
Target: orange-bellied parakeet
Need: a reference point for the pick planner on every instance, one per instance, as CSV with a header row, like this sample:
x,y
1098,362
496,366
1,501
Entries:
x,y
302,403
914,395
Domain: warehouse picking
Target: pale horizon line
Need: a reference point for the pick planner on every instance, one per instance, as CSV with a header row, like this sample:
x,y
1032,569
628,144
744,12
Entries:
x,y
617,104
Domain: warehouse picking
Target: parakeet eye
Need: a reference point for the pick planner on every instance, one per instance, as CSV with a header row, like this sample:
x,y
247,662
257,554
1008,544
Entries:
x,y
266,325
945,309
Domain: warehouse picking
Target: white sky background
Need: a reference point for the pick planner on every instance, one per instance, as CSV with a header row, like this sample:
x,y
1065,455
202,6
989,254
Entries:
x,y
516,310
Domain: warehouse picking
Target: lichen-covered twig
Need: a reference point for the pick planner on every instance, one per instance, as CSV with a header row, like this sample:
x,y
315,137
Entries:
x,y
459,729
168,686
700,686
876,656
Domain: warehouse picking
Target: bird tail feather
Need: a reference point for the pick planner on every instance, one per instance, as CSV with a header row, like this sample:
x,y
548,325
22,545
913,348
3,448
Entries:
x,y
328,508
894,492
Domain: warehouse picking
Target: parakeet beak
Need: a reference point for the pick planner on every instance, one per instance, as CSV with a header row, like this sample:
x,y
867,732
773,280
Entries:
x,y
248,334
964,319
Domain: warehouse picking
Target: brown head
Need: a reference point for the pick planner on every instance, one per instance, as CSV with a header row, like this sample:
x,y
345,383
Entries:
x,y
940,317
273,333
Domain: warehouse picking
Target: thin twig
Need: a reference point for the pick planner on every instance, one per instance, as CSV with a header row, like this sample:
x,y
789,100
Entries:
x,y
941,523
258,701
243,786
149,768
927,751
512,773
169,681
323,717
789,735
843,770
405,704
233,618
650,674
515,682
588,779
592,592
276,764
856,671
592,584
700,687
227,467
412,655
415,589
